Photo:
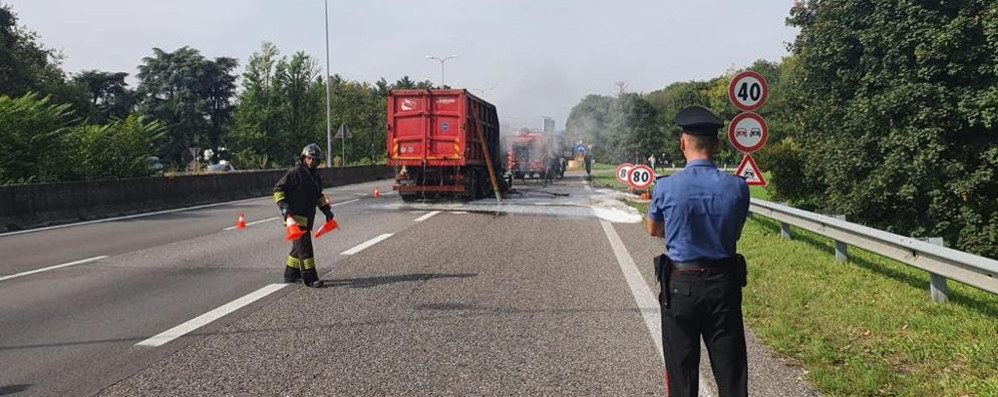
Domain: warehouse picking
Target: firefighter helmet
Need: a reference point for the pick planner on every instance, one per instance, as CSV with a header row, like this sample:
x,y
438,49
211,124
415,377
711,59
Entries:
x,y
312,150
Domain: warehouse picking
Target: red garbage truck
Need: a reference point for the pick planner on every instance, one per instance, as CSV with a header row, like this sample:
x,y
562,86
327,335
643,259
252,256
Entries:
x,y
435,144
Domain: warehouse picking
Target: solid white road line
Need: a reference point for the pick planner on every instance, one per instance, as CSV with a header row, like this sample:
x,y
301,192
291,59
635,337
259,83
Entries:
x,y
459,212
120,218
79,262
366,244
207,318
425,217
646,301
277,217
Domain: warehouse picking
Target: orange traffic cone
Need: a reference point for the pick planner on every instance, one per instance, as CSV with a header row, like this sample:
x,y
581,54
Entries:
x,y
377,194
326,228
241,223
645,196
294,232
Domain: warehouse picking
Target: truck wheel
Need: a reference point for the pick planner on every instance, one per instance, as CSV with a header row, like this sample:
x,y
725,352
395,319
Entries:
x,y
408,198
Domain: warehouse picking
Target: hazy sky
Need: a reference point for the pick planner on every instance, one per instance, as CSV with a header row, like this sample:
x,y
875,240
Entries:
x,y
541,57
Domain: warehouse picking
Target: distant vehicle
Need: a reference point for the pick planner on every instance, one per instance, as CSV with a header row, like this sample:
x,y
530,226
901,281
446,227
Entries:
x,y
741,132
222,166
154,165
756,132
433,144
527,151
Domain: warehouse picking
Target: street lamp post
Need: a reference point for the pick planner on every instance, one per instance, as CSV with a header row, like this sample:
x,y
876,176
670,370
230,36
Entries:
x,y
329,105
441,60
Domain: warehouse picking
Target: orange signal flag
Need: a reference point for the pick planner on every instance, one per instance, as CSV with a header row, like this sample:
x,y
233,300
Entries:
x,y
326,228
294,232
241,223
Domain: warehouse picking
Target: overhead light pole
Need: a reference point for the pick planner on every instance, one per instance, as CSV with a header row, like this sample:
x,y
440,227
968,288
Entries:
x,y
329,105
442,61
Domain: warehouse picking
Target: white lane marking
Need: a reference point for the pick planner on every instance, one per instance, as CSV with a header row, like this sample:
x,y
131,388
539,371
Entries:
x,y
207,318
277,217
79,262
255,222
646,301
425,217
366,244
459,212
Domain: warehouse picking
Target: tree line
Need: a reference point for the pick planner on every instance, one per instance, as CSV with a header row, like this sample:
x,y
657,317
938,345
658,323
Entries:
x,y
57,126
884,111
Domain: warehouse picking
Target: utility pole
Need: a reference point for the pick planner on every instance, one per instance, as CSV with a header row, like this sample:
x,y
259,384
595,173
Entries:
x,y
329,105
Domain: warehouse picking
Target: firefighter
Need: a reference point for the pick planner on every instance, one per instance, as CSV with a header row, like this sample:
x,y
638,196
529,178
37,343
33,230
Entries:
x,y
297,194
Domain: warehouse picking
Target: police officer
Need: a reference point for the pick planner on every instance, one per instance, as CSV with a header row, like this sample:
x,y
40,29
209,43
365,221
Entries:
x,y
700,212
297,194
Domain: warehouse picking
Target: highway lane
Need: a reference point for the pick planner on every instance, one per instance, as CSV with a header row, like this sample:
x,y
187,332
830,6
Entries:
x,y
23,252
457,299
72,330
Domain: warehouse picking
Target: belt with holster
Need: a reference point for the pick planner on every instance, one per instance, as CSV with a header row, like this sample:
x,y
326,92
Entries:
x,y
665,267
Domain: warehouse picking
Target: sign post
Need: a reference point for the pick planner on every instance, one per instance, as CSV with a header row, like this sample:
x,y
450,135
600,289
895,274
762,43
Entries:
x,y
641,177
623,171
748,131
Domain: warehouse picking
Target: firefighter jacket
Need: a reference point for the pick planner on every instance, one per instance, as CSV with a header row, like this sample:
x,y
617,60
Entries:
x,y
300,190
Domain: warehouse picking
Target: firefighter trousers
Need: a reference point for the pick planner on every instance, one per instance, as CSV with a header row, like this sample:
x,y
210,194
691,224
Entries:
x,y
301,260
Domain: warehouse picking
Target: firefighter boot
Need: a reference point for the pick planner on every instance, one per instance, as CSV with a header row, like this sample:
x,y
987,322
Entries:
x,y
291,272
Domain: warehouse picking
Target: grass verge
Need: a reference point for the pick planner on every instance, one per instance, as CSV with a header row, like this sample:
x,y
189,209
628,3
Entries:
x,y
867,327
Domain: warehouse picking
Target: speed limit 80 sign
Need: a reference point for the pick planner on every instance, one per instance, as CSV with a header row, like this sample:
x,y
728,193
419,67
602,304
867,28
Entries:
x,y
641,177
748,91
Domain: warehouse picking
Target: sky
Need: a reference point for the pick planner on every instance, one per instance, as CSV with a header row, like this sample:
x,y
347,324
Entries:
x,y
530,58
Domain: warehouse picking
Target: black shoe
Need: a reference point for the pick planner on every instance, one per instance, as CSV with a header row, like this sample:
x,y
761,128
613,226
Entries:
x,y
292,280
316,284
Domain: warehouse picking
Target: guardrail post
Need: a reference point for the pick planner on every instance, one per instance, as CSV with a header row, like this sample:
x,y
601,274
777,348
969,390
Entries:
x,y
937,284
785,229
841,248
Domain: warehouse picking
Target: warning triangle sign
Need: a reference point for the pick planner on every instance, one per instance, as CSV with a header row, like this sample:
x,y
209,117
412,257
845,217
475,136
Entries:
x,y
750,171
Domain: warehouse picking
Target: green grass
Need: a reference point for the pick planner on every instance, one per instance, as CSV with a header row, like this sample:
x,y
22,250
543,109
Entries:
x,y
867,327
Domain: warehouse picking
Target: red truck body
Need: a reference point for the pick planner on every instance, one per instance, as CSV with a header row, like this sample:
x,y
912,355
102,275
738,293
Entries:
x,y
433,143
527,150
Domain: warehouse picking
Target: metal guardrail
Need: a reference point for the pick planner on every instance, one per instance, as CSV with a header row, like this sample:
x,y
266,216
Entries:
x,y
942,263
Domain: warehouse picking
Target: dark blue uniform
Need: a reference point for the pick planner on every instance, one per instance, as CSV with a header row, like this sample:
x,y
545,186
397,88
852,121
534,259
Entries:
x,y
703,210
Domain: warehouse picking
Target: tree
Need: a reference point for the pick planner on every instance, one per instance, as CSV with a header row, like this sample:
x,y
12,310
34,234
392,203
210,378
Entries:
x,y
108,92
897,120
26,66
191,95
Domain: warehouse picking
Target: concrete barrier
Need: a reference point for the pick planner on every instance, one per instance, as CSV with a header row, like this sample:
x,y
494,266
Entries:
x,y
29,206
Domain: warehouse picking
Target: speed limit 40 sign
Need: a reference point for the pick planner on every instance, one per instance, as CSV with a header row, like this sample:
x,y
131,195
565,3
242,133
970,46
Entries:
x,y
641,177
748,91
623,171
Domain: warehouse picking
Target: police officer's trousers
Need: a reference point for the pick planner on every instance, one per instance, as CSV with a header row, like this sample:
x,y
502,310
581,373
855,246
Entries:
x,y
707,304
301,260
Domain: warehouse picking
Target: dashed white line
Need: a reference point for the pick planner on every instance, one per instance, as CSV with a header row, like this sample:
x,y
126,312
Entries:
x,y
79,262
646,301
207,318
366,244
255,222
425,217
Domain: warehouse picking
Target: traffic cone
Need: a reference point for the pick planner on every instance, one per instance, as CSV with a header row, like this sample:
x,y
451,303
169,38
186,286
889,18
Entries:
x,y
241,223
326,228
294,232
377,194
645,196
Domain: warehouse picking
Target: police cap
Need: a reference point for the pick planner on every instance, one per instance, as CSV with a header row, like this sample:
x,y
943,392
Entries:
x,y
698,121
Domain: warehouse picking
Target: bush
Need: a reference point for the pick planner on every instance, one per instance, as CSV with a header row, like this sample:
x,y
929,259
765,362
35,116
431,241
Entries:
x,y
116,150
31,139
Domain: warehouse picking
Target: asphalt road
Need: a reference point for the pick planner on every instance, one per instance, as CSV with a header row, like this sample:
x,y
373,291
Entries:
x,y
529,298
